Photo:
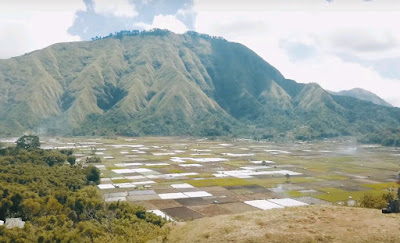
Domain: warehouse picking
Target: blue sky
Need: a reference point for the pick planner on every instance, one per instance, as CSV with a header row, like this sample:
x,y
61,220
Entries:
x,y
340,44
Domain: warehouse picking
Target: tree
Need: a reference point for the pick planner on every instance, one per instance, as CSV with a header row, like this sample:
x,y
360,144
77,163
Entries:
x,y
53,206
71,160
287,177
93,175
54,157
28,141
67,151
93,159
30,208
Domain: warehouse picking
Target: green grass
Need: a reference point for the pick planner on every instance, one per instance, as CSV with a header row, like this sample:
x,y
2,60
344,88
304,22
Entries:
x,y
154,166
218,182
236,163
166,183
174,171
381,186
268,183
339,159
109,174
338,195
332,177
295,194
113,168
202,175
122,181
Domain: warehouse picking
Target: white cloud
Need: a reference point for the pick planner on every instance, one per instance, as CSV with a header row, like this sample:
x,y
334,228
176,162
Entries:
x,y
364,30
169,22
334,74
30,25
119,8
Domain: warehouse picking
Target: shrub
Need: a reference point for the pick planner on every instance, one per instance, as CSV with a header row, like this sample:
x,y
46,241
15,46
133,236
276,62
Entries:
x,y
93,160
377,201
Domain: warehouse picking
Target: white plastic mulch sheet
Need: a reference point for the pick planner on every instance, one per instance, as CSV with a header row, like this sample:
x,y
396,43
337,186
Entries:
x,y
198,194
180,186
275,203
190,165
106,186
204,160
261,161
161,214
176,195
263,204
249,173
287,202
128,164
238,155
129,171
156,164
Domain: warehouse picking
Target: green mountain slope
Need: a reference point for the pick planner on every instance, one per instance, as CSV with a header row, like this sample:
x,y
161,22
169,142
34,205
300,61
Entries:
x,y
363,94
161,83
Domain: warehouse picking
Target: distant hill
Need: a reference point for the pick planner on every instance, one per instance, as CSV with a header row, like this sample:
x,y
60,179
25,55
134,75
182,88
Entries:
x,y
363,94
161,83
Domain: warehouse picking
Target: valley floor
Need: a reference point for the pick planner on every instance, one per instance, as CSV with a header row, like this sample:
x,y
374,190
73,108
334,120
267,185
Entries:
x,y
186,178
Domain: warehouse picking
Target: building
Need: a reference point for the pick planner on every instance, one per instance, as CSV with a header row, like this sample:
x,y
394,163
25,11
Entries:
x,y
14,222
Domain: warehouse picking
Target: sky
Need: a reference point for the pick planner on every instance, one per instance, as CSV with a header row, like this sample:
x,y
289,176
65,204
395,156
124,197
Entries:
x,y
339,44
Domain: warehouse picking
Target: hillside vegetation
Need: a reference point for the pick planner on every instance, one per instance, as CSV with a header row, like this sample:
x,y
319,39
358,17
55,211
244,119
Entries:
x,y
386,137
161,83
60,204
297,224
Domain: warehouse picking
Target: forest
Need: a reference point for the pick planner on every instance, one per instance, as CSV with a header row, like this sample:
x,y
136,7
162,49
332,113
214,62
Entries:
x,y
59,202
387,137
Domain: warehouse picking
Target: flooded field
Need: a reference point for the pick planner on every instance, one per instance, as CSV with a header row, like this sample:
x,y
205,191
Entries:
x,y
188,178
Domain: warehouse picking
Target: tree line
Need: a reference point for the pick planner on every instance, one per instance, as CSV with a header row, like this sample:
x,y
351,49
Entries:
x,y
156,31
387,137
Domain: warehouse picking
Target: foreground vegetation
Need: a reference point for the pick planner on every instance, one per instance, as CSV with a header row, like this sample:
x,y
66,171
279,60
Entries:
x,y
297,224
59,202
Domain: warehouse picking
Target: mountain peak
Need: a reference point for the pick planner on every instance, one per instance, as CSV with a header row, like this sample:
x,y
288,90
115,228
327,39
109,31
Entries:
x,y
365,95
159,83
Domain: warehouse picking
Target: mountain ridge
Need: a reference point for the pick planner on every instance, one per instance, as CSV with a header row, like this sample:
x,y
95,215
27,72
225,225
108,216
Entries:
x,y
363,94
161,83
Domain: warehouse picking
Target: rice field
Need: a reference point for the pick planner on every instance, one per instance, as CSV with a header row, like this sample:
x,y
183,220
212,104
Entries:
x,y
184,178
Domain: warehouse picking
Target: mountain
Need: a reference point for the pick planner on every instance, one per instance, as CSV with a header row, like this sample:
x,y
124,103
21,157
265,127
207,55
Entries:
x,y
363,94
161,83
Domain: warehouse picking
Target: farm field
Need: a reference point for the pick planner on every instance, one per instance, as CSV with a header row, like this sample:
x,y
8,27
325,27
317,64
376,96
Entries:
x,y
189,178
